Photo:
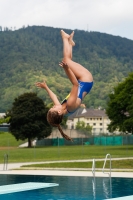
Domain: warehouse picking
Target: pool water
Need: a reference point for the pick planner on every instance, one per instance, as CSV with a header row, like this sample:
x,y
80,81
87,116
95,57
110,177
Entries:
x,y
70,188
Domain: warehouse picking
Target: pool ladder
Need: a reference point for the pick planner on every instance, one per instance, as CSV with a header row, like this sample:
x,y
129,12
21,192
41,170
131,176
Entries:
x,y
93,166
108,194
5,162
109,173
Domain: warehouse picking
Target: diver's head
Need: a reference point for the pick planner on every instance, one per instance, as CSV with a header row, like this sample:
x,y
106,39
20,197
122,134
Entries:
x,y
54,117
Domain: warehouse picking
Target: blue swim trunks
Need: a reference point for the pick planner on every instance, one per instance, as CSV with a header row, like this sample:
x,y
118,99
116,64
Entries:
x,y
83,87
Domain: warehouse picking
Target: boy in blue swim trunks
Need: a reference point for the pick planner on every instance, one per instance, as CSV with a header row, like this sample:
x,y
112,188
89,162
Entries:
x,y
82,82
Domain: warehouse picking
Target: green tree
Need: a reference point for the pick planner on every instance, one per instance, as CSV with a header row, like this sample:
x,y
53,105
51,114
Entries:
x,y
81,126
4,120
28,118
120,106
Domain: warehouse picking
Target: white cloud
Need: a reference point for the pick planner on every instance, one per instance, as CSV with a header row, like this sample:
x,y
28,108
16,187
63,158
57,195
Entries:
x,y
109,16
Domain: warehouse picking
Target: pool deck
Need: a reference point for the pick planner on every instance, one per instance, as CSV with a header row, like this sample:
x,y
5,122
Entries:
x,y
15,168
67,173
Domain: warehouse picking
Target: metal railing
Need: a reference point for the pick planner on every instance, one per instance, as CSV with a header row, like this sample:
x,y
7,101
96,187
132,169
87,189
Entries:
x,y
93,167
93,180
5,162
107,192
109,173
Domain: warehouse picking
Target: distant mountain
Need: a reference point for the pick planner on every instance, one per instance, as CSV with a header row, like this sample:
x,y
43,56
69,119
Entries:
x,y
32,54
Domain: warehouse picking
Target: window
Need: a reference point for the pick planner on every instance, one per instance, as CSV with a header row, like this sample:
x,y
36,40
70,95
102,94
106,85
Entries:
x,y
101,129
100,118
90,118
101,124
87,123
94,124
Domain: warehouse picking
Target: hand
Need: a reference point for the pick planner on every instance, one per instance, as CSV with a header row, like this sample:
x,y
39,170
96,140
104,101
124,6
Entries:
x,y
41,84
63,65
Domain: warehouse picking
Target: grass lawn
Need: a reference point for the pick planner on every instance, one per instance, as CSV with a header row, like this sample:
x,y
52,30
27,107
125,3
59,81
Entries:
x,y
64,153
8,140
8,145
121,164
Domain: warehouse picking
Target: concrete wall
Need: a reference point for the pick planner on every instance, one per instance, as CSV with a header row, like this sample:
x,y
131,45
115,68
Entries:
x,y
70,132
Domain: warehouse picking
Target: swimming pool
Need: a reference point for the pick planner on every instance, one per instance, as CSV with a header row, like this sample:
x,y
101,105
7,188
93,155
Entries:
x,y
70,188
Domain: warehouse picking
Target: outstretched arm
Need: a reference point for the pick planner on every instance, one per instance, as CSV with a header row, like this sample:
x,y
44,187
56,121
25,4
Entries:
x,y
50,93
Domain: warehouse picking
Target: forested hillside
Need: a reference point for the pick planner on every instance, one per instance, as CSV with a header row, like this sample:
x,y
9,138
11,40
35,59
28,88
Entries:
x,y
32,54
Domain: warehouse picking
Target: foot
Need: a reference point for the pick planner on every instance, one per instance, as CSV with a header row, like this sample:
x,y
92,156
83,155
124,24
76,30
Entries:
x,y
64,35
70,39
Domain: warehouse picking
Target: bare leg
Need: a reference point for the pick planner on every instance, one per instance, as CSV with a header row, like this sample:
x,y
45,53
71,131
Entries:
x,y
80,72
70,39
67,47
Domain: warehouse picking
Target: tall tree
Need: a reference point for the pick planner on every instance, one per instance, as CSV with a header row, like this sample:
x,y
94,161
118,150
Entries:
x,y
28,118
120,106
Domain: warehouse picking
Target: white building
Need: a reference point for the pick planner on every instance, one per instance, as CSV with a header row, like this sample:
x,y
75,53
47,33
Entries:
x,y
94,117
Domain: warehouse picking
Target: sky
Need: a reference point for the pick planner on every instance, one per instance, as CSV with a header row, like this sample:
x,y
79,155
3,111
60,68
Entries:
x,y
113,17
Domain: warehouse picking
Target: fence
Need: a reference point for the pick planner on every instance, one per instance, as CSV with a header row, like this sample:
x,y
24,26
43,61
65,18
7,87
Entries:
x,y
96,140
